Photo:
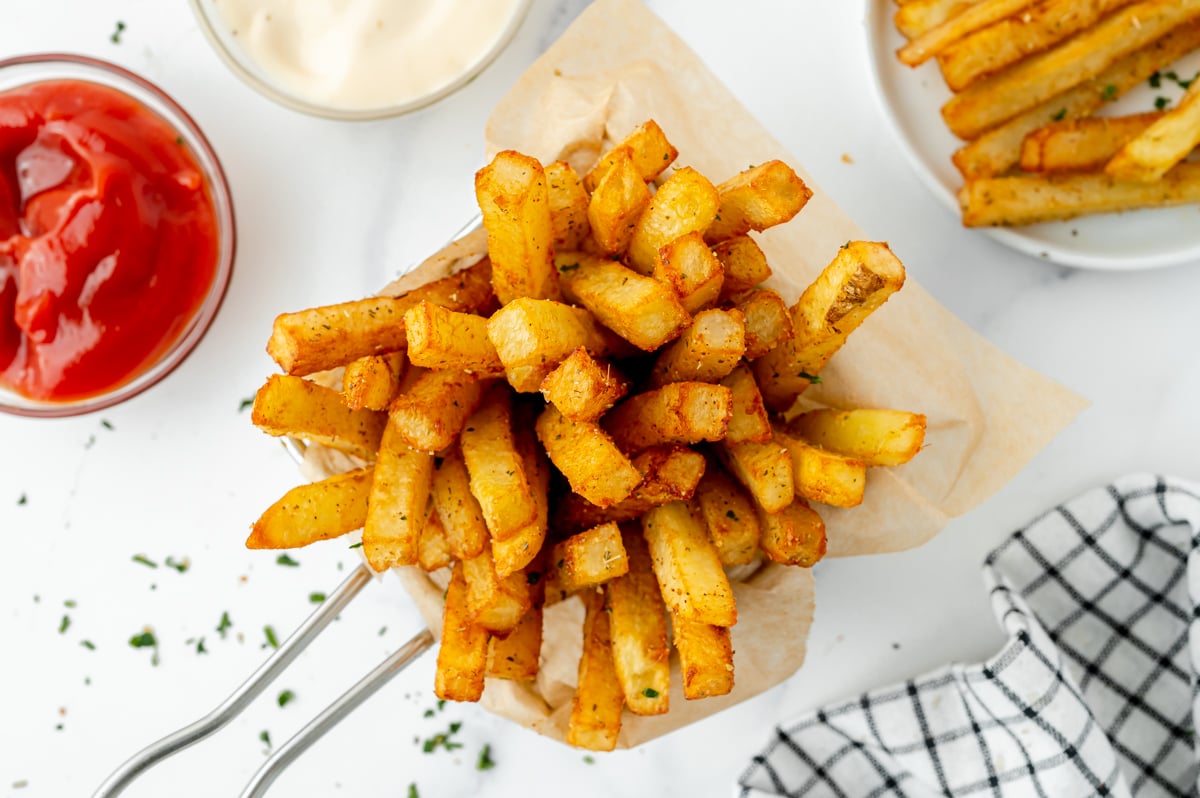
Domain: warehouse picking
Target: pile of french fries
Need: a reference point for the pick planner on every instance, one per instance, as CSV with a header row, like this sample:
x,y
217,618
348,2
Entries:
x,y
1032,79
589,411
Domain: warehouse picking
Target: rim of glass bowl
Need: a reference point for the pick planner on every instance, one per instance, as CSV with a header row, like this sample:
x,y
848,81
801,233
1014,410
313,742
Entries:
x,y
40,67
250,74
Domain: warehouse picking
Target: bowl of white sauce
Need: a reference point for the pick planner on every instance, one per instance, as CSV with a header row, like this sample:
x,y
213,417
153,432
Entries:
x,y
359,59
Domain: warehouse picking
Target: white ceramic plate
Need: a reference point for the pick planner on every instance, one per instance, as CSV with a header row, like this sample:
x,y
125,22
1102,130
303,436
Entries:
x,y
911,101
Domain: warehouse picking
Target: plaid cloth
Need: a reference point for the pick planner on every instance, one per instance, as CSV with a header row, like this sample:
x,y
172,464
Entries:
x,y
1092,695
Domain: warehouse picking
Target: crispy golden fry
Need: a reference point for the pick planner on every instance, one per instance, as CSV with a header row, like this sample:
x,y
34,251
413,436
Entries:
x,y
693,272
937,39
444,339
876,437
998,150
516,552
516,656
638,621
585,454
1001,97
595,719
687,202
322,338
372,382
582,388
768,321
1031,199
462,657
705,658
299,408
1043,25
456,507
398,501
919,16
568,206
793,536
587,559
744,265
618,200
1080,145
730,516
706,352
681,412
496,468
824,476
669,473
318,511
515,203
686,565
433,549
648,148
748,422
765,469
640,309
760,197
1149,155
532,336
496,603
431,413
859,279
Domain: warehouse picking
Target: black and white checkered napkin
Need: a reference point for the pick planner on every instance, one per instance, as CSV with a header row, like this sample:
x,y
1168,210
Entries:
x,y
1092,695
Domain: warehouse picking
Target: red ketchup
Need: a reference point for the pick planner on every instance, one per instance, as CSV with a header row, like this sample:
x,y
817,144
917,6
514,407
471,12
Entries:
x,y
108,239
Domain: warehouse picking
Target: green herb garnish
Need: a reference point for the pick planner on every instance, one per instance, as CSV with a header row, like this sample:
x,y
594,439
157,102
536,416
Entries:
x,y
485,759
285,559
650,692
285,698
144,560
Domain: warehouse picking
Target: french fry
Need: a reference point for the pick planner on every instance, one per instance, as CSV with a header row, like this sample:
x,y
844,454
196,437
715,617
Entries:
x,y
919,16
876,437
1001,97
686,202
372,382
516,656
706,352
431,413
744,265
1030,199
398,501
856,283
587,559
730,516
595,719
748,421
693,272
585,454
518,551
1149,155
937,39
496,468
532,336
462,656
638,622
689,573
646,146
681,412
669,473
493,602
615,205
640,309
793,536
705,658
824,476
299,408
317,511
768,321
433,550
568,206
444,339
582,388
515,203
1080,145
765,469
760,197
457,509
321,338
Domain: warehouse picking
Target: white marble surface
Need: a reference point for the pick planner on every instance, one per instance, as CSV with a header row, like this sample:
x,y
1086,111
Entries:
x,y
328,211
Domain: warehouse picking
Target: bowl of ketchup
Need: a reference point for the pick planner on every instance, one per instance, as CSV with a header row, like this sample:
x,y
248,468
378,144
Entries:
x,y
116,235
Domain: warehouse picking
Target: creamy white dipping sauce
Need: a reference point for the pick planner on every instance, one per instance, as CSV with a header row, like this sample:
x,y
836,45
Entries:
x,y
366,54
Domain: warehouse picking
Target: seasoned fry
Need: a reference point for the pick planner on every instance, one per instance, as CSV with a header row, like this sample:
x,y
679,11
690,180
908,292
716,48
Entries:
x,y
516,552
1080,145
318,511
681,412
443,339
937,39
297,407
730,516
744,264
322,338
706,352
587,559
693,272
919,16
516,656
585,454
532,336
765,469
496,468
433,550
398,501
760,197
856,283
705,658
876,437
648,148
496,603
595,719
371,383
432,412
686,565
618,201
748,422
1149,155
568,206
687,202
640,309
824,476
515,203
457,509
669,473
793,536
1030,199
638,620
768,322
582,388
462,657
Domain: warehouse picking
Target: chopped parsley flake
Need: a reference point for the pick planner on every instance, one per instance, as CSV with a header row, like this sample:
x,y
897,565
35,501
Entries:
x,y
200,649
1161,103
179,565
247,402
1156,80
589,760
1060,114
812,378
382,631
23,500
264,736
285,559
443,739
650,692
285,698
70,604
116,34
316,598
1110,93
356,545
269,633
731,514
224,625
485,759
412,791
88,644
144,560
144,640
104,422
64,624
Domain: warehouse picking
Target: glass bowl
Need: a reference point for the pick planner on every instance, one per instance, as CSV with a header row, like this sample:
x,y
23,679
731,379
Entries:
x,y
27,69
235,57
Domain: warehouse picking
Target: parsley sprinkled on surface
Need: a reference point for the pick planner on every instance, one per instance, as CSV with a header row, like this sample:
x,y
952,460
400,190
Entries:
x,y
285,559
428,713
269,633
146,640
731,514
316,598
412,791
1161,103
247,402
144,560
441,704
1060,115
356,545
285,698
1156,80
485,759
589,760
264,737
650,692
70,604
812,378
64,624
224,625
116,34
200,649
88,644
104,422
23,500
443,739
382,631
179,565
1110,93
